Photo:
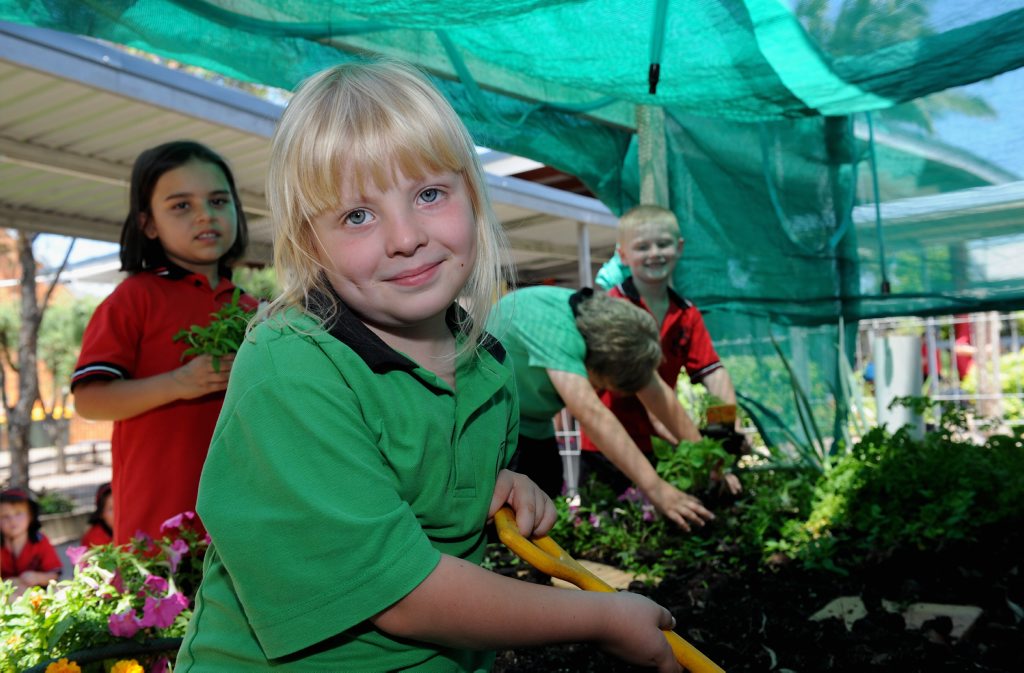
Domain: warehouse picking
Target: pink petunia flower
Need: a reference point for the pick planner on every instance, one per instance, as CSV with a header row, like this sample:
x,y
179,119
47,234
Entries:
x,y
160,612
117,581
631,494
174,552
176,522
75,554
124,624
155,584
161,665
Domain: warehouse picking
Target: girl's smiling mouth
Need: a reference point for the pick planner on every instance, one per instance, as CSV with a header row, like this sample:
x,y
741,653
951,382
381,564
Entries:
x,y
418,276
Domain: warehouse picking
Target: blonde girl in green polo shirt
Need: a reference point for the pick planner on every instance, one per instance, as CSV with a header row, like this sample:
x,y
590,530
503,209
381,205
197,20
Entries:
x,y
369,419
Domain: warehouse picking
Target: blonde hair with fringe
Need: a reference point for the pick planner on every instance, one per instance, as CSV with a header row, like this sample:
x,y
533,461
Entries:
x,y
641,215
370,123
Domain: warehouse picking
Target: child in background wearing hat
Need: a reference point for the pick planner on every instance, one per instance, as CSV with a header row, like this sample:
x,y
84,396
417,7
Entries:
x,y
101,531
26,557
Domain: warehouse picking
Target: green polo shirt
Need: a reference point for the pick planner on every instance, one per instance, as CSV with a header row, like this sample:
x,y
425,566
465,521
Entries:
x,y
538,330
339,472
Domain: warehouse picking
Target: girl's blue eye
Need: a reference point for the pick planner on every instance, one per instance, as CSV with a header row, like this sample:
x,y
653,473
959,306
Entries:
x,y
430,195
356,217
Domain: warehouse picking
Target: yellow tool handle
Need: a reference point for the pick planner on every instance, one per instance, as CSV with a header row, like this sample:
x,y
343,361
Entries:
x,y
547,556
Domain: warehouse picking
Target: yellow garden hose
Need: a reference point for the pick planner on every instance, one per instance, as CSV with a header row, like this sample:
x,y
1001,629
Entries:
x,y
547,556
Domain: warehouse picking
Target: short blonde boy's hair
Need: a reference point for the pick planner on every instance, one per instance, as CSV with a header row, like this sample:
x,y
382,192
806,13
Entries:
x,y
632,219
623,345
365,123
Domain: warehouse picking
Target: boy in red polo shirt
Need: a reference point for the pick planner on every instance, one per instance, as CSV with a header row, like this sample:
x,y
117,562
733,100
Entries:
x,y
650,246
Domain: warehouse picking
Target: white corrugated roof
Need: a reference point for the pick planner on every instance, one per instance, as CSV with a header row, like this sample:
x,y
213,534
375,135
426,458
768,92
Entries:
x,y
74,114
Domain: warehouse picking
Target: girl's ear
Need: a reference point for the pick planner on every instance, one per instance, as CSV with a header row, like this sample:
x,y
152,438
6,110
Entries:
x,y
146,226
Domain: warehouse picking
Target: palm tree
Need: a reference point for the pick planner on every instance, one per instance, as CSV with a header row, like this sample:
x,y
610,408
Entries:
x,y
856,27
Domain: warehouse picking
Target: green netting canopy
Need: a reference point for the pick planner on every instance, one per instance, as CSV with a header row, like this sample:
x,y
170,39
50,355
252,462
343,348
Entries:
x,y
765,125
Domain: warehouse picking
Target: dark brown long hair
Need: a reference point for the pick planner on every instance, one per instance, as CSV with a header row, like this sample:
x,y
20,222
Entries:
x,y
138,251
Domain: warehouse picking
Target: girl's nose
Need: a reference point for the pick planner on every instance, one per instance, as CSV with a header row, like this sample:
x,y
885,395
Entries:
x,y
206,212
404,235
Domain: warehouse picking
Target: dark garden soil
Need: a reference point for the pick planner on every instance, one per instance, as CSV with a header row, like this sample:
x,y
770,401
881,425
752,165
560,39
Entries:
x,y
756,619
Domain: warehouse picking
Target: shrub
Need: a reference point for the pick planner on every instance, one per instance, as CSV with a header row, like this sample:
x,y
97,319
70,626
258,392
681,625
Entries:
x,y
894,490
54,502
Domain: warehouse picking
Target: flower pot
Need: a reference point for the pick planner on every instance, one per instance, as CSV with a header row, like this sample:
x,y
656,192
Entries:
x,y
65,526
721,414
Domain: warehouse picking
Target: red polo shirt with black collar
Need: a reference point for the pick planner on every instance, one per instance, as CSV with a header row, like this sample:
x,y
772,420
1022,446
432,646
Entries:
x,y
38,555
159,454
685,344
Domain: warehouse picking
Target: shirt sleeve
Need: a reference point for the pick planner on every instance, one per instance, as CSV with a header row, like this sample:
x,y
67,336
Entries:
x,y
547,329
304,512
701,358
111,339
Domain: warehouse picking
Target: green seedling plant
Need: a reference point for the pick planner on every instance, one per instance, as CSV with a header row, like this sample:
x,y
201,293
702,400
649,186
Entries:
x,y
222,337
620,529
689,465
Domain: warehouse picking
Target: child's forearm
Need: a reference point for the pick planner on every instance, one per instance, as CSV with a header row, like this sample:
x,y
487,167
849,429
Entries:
x,y
32,578
719,384
661,402
464,606
119,399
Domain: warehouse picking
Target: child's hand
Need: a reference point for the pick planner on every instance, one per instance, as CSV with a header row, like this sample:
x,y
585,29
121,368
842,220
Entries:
x,y
197,377
681,507
634,632
535,513
727,480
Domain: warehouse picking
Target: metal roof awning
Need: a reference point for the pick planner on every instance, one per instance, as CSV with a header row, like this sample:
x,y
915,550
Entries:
x,y
74,114
949,218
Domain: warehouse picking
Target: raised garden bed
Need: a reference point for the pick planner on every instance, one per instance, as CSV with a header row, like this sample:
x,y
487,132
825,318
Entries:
x,y
756,618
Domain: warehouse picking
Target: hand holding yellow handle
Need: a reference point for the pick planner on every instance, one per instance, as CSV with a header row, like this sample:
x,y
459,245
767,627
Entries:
x,y
547,556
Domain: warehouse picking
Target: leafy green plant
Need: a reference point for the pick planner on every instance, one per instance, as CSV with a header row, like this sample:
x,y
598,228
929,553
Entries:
x,y
688,466
122,601
54,502
623,530
223,336
626,531
260,283
894,490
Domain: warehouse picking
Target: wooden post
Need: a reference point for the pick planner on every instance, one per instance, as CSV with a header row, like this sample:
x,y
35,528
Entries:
x,y
651,154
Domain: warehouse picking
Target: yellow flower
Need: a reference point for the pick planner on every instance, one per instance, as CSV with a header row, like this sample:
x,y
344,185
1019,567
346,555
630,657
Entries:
x,y
63,666
127,666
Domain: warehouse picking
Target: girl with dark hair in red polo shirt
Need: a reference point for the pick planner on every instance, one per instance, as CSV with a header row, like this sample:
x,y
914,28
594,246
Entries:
x,y
101,531
26,557
185,227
